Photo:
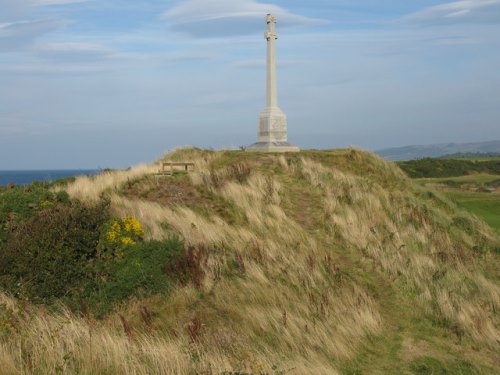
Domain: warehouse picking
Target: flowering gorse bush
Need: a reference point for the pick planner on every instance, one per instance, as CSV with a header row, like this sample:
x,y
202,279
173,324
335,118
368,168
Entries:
x,y
119,234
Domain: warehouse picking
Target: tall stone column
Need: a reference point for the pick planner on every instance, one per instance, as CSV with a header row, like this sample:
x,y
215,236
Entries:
x,y
272,136
271,37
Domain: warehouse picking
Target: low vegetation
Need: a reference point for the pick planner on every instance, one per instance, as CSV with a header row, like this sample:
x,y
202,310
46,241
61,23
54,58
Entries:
x,y
478,193
434,168
472,155
322,262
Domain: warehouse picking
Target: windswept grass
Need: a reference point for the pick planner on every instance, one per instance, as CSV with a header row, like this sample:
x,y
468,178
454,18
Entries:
x,y
479,193
326,262
92,188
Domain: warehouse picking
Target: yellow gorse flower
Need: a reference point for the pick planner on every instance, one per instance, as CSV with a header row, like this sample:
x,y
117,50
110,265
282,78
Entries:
x,y
114,231
127,241
125,231
46,203
132,225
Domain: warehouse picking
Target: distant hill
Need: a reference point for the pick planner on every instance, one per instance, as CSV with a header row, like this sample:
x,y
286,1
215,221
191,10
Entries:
x,y
438,150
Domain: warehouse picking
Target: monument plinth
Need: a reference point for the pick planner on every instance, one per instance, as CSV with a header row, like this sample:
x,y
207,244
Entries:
x,y
273,135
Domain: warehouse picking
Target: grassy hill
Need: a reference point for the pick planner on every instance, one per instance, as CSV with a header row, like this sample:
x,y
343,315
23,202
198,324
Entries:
x,y
471,182
322,262
478,193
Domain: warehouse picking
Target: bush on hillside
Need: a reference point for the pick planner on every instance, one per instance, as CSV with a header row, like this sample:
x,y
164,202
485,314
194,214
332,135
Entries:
x,y
72,252
52,254
118,234
19,203
138,270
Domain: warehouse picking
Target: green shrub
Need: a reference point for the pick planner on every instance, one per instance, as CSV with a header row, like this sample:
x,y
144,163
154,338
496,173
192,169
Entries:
x,y
431,167
53,253
19,203
466,224
428,366
432,366
138,270
52,249
118,234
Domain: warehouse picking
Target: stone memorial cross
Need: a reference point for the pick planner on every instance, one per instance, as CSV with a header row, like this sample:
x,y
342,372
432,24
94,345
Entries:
x,y
272,136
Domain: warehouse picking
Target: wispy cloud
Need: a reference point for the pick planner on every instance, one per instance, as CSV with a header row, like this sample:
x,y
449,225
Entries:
x,y
217,18
17,35
464,11
185,57
46,69
21,21
261,63
15,125
11,10
79,51
454,41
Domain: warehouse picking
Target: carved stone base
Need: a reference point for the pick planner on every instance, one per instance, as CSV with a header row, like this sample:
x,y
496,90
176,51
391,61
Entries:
x,y
272,147
272,125
273,135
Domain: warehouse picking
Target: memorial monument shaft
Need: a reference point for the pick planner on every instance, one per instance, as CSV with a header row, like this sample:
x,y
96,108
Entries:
x,y
271,37
272,135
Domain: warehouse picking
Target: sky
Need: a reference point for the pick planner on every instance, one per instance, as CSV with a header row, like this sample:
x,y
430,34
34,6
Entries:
x,y
113,83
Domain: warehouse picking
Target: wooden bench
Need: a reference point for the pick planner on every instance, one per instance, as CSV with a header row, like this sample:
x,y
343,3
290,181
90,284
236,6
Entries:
x,y
168,167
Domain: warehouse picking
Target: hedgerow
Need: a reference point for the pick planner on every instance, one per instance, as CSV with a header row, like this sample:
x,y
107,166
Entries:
x,y
431,167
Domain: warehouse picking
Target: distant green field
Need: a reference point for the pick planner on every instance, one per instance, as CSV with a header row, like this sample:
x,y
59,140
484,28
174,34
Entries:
x,y
482,203
480,178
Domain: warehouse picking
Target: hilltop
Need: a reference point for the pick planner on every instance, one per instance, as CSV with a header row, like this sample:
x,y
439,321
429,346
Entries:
x,y
439,150
321,262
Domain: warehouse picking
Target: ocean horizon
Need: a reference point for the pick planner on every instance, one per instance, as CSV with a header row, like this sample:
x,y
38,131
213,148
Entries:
x,y
26,177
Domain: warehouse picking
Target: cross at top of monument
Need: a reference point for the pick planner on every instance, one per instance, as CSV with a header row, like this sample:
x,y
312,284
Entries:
x,y
271,27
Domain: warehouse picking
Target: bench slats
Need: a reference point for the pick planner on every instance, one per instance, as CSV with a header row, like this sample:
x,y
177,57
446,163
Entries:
x,y
168,166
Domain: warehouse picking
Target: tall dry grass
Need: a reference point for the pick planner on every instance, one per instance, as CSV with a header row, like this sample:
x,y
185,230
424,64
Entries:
x,y
91,188
275,292
411,240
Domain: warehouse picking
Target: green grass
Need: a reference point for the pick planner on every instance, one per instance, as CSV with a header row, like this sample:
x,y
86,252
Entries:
x,y
484,204
481,178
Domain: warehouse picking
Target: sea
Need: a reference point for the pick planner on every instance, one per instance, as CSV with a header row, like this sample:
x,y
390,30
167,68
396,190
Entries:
x,y
26,177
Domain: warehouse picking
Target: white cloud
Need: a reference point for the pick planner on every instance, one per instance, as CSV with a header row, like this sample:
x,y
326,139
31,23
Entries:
x,y
203,18
74,50
13,125
20,22
261,63
16,35
454,41
46,69
13,9
458,11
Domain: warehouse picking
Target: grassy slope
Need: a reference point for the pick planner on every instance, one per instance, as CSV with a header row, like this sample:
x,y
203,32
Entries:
x,y
323,262
484,204
487,207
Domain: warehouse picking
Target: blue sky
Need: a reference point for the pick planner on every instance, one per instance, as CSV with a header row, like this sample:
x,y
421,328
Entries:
x,y
111,83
